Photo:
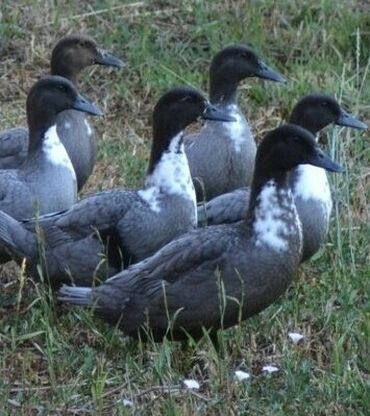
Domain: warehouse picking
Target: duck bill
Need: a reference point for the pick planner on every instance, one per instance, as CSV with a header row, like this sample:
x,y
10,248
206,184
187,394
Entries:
x,y
213,113
348,120
265,72
107,59
321,160
81,104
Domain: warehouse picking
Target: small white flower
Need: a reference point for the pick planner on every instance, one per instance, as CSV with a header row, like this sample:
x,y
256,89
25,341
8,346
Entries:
x,y
127,403
295,337
191,384
270,369
242,375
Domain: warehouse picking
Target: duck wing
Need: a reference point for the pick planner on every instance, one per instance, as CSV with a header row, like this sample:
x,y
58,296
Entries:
x,y
13,147
101,211
176,281
16,198
226,208
177,260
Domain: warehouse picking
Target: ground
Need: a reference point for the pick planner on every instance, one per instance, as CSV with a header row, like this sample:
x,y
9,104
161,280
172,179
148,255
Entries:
x,y
60,362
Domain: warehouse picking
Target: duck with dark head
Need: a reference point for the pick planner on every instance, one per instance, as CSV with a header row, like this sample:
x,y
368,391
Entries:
x,y
309,184
212,278
134,224
46,181
229,148
69,57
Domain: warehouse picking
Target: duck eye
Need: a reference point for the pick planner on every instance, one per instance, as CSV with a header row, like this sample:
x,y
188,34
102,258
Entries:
x,y
62,88
324,104
186,99
245,55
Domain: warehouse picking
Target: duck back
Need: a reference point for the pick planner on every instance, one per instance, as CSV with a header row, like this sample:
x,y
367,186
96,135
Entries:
x,y
13,147
229,149
79,140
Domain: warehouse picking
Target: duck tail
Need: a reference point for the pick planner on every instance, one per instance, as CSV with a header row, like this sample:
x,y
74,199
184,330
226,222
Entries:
x,y
75,295
15,239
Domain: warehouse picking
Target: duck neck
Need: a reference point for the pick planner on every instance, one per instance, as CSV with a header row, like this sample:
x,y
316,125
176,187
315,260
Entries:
x,y
313,126
272,217
260,183
51,154
171,173
167,138
300,175
63,70
37,131
167,163
222,92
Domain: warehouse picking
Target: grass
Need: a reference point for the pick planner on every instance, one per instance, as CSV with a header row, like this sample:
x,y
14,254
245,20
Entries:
x,y
54,361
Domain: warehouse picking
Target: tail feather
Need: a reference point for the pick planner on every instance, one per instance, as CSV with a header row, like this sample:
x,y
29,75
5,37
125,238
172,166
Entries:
x,y
75,295
17,241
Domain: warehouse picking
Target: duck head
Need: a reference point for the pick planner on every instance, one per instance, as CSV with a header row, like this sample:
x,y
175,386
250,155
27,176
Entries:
x,y
74,53
182,106
286,147
174,111
51,95
233,64
316,111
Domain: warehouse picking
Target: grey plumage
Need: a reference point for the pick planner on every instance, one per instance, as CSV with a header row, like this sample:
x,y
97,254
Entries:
x,y
314,217
215,277
228,148
186,280
62,254
45,181
79,138
313,112
70,55
28,191
225,208
140,230
13,147
229,163
128,225
76,243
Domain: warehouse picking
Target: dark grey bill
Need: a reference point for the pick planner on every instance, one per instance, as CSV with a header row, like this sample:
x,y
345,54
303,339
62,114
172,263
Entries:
x,y
348,120
268,73
213,113
81,104
321,160
106,58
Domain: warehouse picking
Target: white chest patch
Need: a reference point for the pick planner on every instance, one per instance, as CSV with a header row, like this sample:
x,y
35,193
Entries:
x,y
54,150
151,196
88,127
312,184
276,218
171,175
236,129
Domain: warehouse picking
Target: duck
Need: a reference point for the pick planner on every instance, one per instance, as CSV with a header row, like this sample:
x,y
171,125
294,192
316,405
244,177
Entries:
x,y
309,184
129,225
213,278
229,148
46,181
69,57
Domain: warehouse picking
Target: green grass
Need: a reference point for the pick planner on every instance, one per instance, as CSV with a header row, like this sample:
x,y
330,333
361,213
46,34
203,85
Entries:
x,y
58,362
